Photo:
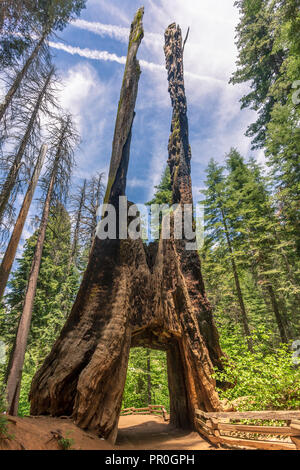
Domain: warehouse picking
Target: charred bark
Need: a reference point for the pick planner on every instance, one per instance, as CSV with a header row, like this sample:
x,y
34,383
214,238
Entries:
x,y
133,295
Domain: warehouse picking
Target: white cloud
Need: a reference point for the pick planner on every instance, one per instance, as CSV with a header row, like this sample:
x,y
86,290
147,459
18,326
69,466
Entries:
x,y
88,53
91,103
113,31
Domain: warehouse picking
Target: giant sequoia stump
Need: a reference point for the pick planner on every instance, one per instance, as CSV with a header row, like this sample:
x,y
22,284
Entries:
x,y
136,295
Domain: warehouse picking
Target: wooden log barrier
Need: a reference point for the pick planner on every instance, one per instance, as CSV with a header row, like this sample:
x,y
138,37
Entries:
x,y
218,429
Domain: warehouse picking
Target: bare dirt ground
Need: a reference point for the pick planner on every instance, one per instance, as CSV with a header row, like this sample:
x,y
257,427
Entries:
x,y
142,432
36,433
146,432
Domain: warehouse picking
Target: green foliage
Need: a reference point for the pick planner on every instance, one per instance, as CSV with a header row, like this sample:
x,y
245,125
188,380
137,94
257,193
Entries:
x,y
139,374
265,260
259,61
55,14
4,433
21,19
267,378
56,290
163,193
65,443
268,270
268,43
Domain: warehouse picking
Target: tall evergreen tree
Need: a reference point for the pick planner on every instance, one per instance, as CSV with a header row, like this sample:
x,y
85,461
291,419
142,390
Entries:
x,y
41,101
252,219
217,212
10,253
78,202
56,181
258,61
53,282
163,191
46,16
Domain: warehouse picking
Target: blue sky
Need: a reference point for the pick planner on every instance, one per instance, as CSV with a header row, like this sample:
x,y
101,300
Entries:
x,y
92,86
90,54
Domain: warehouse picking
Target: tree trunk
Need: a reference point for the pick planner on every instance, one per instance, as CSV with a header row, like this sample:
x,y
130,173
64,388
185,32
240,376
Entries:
x,y
149,377
15,367
134,295
18,80
11,249
14,170
279,320
243,313
77,226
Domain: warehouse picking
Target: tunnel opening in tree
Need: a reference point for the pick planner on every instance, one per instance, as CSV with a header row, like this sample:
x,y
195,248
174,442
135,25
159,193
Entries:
x,y
147,379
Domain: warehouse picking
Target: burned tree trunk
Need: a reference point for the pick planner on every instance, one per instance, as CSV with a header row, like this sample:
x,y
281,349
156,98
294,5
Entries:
x,y
89,381
133,295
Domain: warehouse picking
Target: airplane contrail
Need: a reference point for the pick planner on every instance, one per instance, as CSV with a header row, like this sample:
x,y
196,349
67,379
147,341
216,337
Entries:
x,y
116,32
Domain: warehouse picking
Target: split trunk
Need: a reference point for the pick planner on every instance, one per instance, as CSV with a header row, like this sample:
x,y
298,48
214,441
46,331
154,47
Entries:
x,y
135,295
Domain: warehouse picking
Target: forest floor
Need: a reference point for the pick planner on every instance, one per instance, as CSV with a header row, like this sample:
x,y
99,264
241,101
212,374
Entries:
x,y
142,432
146,432
43,433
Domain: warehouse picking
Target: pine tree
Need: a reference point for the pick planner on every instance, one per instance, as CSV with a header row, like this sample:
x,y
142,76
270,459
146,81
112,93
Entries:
x,y
47,16
163,191
78,202
40,104
63,139
258,61
268,44
10,253
251,217
217,210
94,196
54,281
15,30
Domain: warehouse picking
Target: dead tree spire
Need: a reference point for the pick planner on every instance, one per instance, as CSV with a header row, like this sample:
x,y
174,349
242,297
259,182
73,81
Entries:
x,y
179,148
122,137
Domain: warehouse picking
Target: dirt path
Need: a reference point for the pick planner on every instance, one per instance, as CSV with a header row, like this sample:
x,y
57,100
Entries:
x,y
146,432
142,432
